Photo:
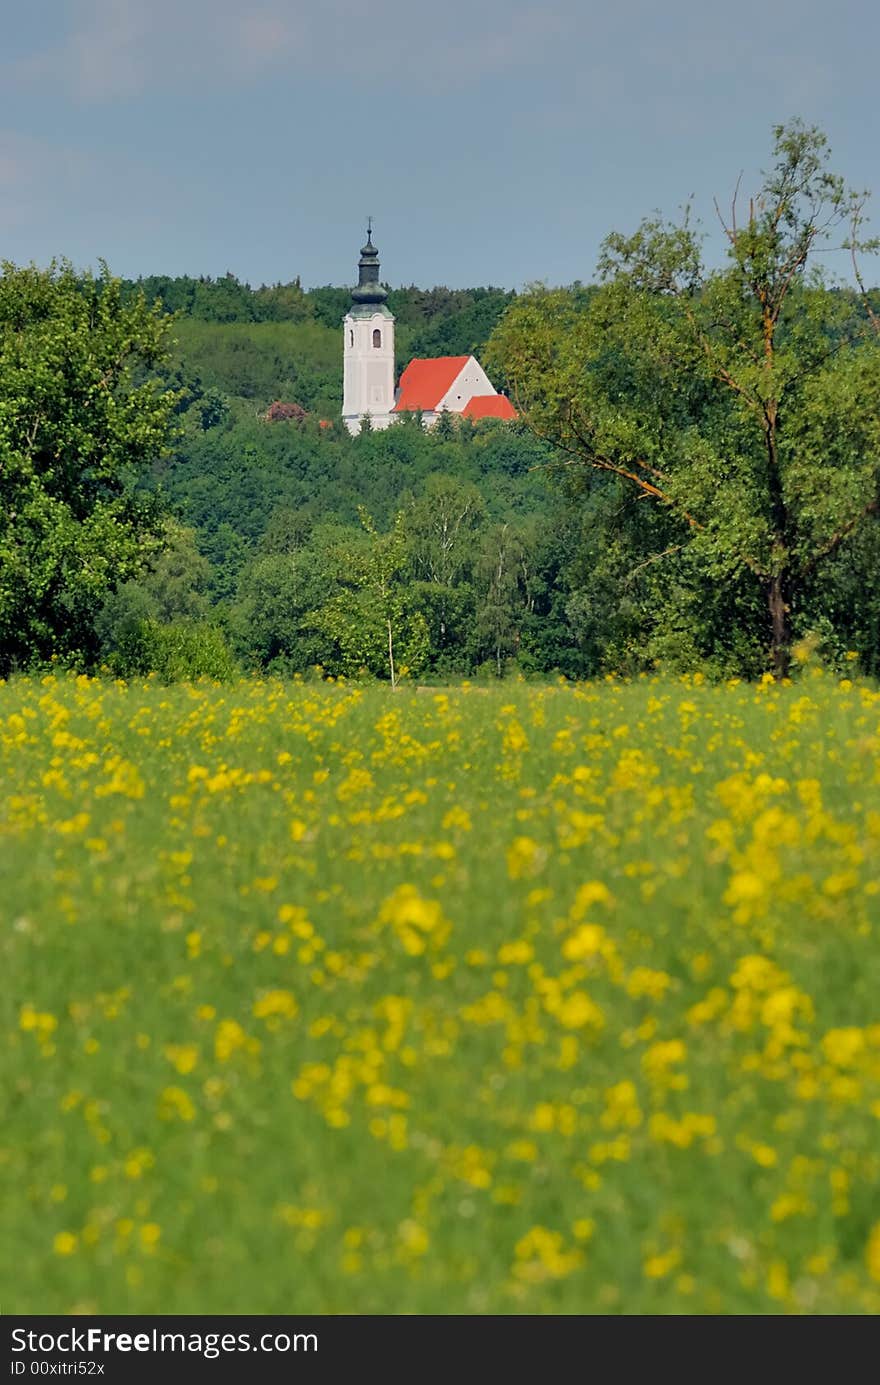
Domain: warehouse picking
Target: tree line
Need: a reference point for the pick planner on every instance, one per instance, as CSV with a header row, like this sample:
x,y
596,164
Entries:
x,y
439,321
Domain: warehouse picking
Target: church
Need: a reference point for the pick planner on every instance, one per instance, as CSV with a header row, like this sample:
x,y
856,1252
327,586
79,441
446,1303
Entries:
x,y
444,384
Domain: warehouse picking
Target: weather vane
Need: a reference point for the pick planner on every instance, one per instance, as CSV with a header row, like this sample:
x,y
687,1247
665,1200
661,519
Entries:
x,y
369,227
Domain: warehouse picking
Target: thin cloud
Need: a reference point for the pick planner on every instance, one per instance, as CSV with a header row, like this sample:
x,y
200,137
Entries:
x,y
264,37
120,48
105,54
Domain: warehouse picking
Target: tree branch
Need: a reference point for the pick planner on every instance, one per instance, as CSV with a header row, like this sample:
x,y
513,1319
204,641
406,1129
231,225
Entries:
x,y
601,463
655,558
853,249
872,508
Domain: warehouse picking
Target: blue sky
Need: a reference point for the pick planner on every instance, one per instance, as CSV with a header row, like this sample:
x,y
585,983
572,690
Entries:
x,y
494,141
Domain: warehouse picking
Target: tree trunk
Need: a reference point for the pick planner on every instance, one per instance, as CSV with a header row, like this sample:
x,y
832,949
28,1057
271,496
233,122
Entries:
x,y
391,656
777,590
780,626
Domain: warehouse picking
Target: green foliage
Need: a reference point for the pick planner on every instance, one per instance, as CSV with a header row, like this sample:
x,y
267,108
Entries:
x,y
513,999
162,623
225,299
293,361
458,324
370,620
500,570
173,586
81,412
440,525
741,402
180,651
694,482
270,621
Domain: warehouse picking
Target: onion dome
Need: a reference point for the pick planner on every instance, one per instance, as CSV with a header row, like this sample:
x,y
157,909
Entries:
x,y
369,292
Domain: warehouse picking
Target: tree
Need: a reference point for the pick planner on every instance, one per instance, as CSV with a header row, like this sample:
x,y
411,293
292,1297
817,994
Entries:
x,y
178,577
81,413
270,623
741,400
161,622
370,619
441,527
500,574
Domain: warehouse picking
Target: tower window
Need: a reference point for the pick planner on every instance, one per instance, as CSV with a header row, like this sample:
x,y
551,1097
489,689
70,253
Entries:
x,y
377,337
351,338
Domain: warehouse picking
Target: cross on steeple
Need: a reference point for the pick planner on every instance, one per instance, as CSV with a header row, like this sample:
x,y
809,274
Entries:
x,y
369,290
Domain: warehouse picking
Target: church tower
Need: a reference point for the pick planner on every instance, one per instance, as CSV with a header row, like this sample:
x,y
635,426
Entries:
x,y
368,354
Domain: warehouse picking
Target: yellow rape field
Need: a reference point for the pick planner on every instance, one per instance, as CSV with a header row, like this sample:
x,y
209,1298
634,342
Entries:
x,y
536,999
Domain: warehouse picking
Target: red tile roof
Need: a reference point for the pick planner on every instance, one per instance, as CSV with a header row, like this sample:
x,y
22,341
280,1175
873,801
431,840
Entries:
x,y
489,406
424,383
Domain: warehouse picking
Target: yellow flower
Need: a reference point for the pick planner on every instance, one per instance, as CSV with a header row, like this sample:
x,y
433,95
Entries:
x,y
150,1234
645,981
174,1103
416,920
524,858
744,887
413,1238
139,1160
578,1010
593,892
540,1255
587,941
35,1020
843,1047
583,1229
841,882
777,1280
621,1107
515,738
183,1056
228,1038
765,1155
523,1151
517,953
658,1266
271,1003
661,1056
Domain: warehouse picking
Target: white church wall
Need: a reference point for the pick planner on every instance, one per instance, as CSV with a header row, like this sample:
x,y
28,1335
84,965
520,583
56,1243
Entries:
x,y
368,370
471,379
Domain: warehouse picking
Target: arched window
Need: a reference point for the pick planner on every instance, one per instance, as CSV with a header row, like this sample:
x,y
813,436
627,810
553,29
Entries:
x,y
377,337
351,337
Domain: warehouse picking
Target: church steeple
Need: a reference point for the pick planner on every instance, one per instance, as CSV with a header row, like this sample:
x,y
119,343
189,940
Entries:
x,y
369,291
368,365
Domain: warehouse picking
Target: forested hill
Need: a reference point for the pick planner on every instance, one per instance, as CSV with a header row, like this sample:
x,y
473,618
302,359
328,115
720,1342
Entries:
x,y
437,312
283,341
271,510
499,566
692,484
